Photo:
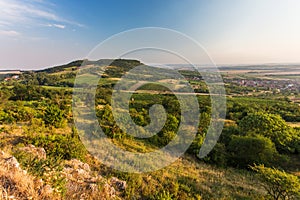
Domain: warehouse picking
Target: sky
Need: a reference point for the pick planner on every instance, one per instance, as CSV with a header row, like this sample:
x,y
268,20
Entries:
x,y
43,33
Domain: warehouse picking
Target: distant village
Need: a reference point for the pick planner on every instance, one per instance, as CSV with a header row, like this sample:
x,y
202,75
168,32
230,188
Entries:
x,y
8,75
14,77
279,85
265,84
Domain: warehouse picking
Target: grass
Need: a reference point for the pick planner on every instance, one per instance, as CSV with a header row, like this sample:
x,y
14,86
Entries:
x,y
86,78
16,184
187,178
56,88
294,124
286,76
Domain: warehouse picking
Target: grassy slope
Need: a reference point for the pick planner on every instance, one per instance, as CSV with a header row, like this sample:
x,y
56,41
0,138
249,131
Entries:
x,y
188,178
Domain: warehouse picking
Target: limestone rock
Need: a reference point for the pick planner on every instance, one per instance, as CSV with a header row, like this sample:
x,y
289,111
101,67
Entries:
x,y
121,185
12,162
36,151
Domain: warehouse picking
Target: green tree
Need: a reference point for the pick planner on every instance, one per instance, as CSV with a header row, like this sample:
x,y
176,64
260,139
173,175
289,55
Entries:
x,y
217,156
270,126
279,184
5,94
249,150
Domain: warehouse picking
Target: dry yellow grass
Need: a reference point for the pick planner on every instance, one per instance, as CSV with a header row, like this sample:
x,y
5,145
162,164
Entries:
x,y
17,184
294,124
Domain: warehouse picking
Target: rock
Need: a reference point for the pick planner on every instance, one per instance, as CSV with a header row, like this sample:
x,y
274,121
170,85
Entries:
x,y
77,164
48,189
121,185
75,169
12,162
83,183
14,178
108,189
36,151
93,187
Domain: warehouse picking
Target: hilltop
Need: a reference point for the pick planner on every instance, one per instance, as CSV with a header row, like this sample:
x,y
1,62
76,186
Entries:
x,y
74,65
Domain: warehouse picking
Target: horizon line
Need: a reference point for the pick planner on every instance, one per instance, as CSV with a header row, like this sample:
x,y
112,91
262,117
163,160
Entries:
x,y
218,65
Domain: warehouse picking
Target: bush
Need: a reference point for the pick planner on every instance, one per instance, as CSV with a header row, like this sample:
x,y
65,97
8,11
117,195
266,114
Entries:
x,y
279,184
196,145
48,169
217,156
227,133
5,117
54,116
66,146
270,126
164,195
16,112
247,150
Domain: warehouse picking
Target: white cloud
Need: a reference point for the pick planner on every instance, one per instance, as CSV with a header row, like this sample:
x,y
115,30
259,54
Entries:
x,y
56,26
59,26
30,13
9,33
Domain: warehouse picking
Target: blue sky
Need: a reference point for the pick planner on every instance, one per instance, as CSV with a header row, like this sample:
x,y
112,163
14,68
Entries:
x,y
40,33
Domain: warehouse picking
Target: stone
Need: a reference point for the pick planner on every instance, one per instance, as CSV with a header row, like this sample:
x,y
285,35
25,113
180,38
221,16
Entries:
x,y
36,151
121,185
12,162
109,190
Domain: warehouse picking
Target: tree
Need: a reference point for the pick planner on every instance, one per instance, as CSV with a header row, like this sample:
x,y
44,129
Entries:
x,y
270,126
218,155
249,150
279,184
5,94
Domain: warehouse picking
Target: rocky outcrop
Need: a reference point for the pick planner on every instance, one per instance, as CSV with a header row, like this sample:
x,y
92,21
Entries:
x,y
83,183
121,185
40,153
16,183
11,162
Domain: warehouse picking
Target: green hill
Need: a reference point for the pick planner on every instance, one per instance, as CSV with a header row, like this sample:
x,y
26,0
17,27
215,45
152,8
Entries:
x,y
38,134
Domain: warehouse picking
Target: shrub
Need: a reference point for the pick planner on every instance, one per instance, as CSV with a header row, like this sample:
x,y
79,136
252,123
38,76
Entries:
x,y
228,133
5,117
54,116
247,150
196,145
36,127
279,184
16,112
63,146
270,126
66,146
217,156
164,195
48,169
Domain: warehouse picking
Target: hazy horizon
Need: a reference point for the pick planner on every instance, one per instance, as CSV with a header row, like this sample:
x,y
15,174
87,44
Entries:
x,y
170,64
37,34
